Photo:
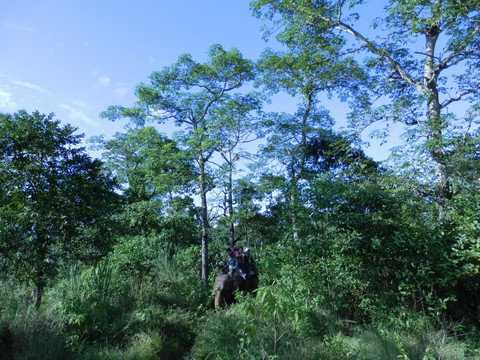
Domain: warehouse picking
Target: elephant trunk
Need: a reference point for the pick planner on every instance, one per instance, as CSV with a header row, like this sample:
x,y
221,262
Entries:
x,y
219,299
225,285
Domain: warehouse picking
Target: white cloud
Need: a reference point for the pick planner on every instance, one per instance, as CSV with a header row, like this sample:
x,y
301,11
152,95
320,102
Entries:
x,y
32,87
120,91
14,91
78,114
17,26
6,102
102,81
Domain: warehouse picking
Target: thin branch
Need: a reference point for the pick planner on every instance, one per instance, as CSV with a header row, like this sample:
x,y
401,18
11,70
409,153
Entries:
x,y
384,55
443,64
459,97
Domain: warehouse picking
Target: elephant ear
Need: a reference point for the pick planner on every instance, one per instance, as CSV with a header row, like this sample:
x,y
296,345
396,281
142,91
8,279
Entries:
x,y
224,282
237,281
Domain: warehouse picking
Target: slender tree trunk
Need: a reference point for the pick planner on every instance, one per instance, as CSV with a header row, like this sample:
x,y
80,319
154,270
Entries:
x,y
38,292
293,201
442,185
435,124
296,175
229,160
293,194
39,272
231,226
204,221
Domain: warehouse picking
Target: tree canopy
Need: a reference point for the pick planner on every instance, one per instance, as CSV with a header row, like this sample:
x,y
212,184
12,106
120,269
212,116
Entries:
x,y
410,67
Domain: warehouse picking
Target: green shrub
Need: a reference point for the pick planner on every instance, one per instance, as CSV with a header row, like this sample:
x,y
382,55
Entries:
x,y
132,256
276,324
217,338
93,305
169,331
145,346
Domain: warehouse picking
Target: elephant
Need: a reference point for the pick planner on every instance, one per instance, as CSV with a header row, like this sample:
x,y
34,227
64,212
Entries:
x,y
226,285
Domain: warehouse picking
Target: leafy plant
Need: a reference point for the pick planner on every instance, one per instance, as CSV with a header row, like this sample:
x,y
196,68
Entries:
x,y
93,304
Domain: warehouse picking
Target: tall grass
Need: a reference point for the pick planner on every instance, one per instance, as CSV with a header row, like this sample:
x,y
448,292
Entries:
x,y
26,332
274,326
401,344
98,312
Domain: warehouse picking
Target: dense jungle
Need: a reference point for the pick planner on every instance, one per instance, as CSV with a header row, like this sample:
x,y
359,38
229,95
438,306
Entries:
x,y
116,257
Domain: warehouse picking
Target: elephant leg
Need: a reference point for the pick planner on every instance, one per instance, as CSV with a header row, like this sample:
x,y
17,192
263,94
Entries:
x,y
252,283
219,299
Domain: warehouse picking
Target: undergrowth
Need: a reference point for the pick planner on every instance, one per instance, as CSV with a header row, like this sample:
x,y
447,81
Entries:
x,y
98,312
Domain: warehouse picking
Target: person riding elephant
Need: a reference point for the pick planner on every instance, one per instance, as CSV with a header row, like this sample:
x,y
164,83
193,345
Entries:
x,y
227,284
233,264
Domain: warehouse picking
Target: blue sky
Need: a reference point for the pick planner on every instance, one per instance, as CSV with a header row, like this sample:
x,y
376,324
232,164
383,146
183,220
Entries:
x,y
75,58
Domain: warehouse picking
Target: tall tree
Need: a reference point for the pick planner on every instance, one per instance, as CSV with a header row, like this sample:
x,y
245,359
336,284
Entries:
x,y
189,94
403,79
299,75
238,122
51,191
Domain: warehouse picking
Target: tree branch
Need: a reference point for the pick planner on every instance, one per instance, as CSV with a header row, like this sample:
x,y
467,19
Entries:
x,y
459,97
461,53
384,55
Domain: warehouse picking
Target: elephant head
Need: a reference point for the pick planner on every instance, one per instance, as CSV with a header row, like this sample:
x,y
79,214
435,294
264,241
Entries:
x,y
226,285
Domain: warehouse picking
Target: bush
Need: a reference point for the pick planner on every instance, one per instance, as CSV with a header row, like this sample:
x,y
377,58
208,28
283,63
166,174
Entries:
x,y
217,338
132,256
164,333
275,324
93,305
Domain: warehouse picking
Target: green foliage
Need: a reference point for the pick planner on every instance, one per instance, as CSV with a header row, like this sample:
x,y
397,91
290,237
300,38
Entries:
x,y
27,333
147,163
92,304
412,337
51,191
110,311
275,324
133,256
217,338
278,324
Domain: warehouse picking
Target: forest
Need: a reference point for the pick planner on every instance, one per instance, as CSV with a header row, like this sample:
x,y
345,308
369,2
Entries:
x,y
116,257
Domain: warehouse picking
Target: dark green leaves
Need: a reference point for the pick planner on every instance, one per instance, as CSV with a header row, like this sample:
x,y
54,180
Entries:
x,y
51,190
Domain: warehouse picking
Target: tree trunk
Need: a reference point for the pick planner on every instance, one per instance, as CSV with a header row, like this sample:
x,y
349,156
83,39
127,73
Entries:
x,y
37,294
231,226
435,124
204,221
293,201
